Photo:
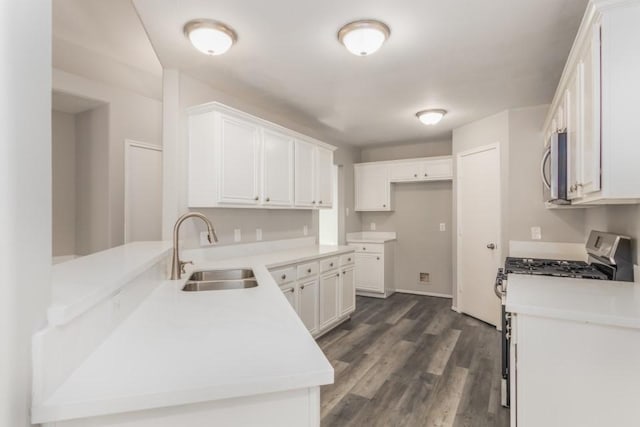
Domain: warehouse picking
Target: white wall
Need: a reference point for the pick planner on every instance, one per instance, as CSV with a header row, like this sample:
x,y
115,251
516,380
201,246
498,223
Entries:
x,y
181,92
419,208
25,195
131,116
63,146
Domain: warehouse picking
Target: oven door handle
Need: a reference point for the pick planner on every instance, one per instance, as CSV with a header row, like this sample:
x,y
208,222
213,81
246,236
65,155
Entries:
x,y
497,288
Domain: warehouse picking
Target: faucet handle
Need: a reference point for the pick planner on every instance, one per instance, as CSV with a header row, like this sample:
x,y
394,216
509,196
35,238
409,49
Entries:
x,y
183,264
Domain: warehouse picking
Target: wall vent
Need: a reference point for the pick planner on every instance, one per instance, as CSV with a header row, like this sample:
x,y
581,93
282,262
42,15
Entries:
x,y
424,278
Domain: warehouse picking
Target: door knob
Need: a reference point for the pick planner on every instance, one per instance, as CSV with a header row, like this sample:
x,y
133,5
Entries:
x,y
491,246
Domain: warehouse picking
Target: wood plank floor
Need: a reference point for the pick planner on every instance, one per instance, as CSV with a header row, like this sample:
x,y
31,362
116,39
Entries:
x,y
411,361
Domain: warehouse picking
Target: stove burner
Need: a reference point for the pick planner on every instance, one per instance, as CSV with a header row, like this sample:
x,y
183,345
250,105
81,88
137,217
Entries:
x,y
550,267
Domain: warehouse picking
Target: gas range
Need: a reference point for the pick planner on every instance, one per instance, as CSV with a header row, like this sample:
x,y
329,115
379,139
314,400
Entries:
x,y
552,267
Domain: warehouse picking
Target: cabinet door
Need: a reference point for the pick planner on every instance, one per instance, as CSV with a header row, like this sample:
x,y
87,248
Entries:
x,y
370,272
405,171
372,188
308,305
290,294
304,174
277,177
238,161
573,115
347,291
324,177
329,291
590,159
437,169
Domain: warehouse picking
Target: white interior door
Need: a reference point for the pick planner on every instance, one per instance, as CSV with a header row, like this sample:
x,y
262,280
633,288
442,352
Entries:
x,y
479,251
143,192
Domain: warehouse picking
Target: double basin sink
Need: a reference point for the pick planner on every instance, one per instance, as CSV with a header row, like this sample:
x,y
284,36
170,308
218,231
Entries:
x,y
220,280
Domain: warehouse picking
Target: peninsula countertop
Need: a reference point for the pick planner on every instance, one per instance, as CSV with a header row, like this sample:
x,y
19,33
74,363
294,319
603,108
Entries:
x,y
592,301
187,347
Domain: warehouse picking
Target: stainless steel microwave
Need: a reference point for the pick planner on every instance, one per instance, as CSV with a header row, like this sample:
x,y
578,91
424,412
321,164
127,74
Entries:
x,y
553,170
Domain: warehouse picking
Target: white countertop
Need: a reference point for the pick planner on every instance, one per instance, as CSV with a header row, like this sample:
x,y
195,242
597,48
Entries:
x,y
79,284
187,347
582,300
371,237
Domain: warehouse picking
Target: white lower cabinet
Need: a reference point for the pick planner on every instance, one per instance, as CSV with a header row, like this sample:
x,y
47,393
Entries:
x,y
374,268
347,290
370,272
308,304
329,291
324,294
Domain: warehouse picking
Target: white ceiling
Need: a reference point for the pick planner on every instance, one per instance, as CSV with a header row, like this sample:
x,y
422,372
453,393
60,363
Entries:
x,y
111,28
473,58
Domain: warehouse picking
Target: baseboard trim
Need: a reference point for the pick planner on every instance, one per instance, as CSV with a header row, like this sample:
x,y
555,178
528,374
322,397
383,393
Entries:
x,y
428,294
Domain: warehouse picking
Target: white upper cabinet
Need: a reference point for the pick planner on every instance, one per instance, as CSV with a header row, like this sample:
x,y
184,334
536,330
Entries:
x,y
372,187
373,180
277,181
238,143
305,174
237,160
324,177
596,102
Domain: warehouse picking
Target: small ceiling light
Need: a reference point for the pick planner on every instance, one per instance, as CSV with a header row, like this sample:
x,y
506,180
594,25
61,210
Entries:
x,y
210,37
431,117
364,37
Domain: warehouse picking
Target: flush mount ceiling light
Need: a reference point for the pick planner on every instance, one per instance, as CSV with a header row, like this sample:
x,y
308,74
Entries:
x,y
210,37
431,117
364,37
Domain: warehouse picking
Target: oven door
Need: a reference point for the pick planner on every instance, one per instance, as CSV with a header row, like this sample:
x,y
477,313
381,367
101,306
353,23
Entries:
x,y
505,386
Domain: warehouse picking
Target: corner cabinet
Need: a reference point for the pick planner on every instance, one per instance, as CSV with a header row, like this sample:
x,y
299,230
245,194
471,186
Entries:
x,y
595,103
238,160
373,180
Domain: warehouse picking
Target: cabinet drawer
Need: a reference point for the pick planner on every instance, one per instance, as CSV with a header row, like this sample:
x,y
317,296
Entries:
x,y
376,248
284,275
328,264
347,259
306,270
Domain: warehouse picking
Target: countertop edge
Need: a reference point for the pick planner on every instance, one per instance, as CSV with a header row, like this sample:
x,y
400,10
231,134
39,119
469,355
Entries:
x,y
572,316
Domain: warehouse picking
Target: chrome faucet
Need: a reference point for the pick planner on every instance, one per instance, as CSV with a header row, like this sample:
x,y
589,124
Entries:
x,y
177,266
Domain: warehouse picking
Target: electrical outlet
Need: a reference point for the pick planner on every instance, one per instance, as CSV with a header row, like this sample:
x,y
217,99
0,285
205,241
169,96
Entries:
x,y
372,226
305,230
258,234
536,233
204,239
237,235
443,226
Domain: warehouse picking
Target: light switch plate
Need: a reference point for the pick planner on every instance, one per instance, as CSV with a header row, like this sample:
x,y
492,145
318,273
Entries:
x,y
372,226
347,212
237,235
258,234
305,230
443,226
536,233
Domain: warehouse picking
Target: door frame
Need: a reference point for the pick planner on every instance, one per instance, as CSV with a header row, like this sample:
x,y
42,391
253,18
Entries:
x,y
459,156
130,143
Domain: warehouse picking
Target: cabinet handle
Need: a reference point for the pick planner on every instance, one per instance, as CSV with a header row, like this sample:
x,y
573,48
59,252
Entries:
x,y
384,206
309,270
348,259
256,198
284,276
301,287
320,202
378,258
415,175
314,202
425,175
364,249
331,265
338,275
268,199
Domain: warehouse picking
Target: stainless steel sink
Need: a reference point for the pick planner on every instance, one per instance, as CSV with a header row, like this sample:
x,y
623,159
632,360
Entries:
x,y
235,274
219,285
219,280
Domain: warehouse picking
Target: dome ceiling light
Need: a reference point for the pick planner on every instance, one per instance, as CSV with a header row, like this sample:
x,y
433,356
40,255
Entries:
x,y
431,117
364,37
210,37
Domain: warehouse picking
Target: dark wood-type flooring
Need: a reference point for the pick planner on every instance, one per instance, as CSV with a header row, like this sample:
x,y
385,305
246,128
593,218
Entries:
x,y
411,361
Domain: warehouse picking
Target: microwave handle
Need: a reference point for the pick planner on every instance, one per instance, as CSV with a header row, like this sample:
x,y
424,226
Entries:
x,y
543,163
